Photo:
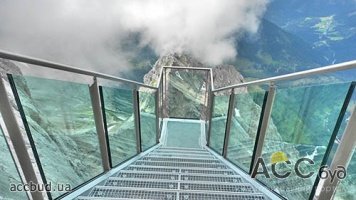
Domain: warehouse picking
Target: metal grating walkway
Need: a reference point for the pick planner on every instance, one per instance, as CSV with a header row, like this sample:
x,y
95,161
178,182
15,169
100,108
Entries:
x,y
176,174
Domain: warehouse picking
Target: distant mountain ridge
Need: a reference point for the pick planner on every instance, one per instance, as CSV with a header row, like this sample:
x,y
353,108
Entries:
x,y
328,26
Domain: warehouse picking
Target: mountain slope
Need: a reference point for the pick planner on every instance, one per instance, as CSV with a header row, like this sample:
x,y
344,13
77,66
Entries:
x,y
273,52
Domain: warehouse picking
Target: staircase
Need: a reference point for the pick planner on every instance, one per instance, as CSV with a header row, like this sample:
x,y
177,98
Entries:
x,y
176,173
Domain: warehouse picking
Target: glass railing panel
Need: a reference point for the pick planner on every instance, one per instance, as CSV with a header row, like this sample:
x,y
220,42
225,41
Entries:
x,y
303,119
186,93
60,118
218,122
184,134
244,126
120,123
9,176
346,190
148,116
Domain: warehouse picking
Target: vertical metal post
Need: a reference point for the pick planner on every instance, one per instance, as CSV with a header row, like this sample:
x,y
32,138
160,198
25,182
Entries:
x,y
206,98
264,124
341,158
99,123
136,102
162,94
165,99
212,96
228,122
158,134
18,141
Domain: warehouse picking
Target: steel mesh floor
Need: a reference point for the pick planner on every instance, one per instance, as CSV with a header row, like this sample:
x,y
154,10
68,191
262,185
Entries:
x,y
148,176
183,152
185,155
132,194
220,179
173,173
141,184
208,172
174,164
206,196
217,187
181,160
151,169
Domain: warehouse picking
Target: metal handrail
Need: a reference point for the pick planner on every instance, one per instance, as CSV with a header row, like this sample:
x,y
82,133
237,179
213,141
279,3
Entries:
x,y
296,75
68,68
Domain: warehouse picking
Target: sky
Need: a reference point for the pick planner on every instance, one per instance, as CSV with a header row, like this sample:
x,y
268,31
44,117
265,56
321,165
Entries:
x,y
91,33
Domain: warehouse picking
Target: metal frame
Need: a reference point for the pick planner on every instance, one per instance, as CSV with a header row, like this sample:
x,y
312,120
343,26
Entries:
x,y
228,122
264,124
99,124
19,144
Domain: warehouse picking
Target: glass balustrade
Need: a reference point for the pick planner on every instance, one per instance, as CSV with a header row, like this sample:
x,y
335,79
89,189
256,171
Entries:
x,y
9,176
186,93
244,126
303,120
120,123
184,134
346,190
147,103
60,121
218,121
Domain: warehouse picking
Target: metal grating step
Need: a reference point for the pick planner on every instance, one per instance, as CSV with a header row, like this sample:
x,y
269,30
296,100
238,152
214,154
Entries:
x,y
151,169
180,160
207,196
218,187
131,175
141,184
182,170
183,152
173,164
114,192
220,179
183,155
207,172
182,149
175,173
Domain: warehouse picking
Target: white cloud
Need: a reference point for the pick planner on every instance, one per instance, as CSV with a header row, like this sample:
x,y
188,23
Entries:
x,y
90,32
